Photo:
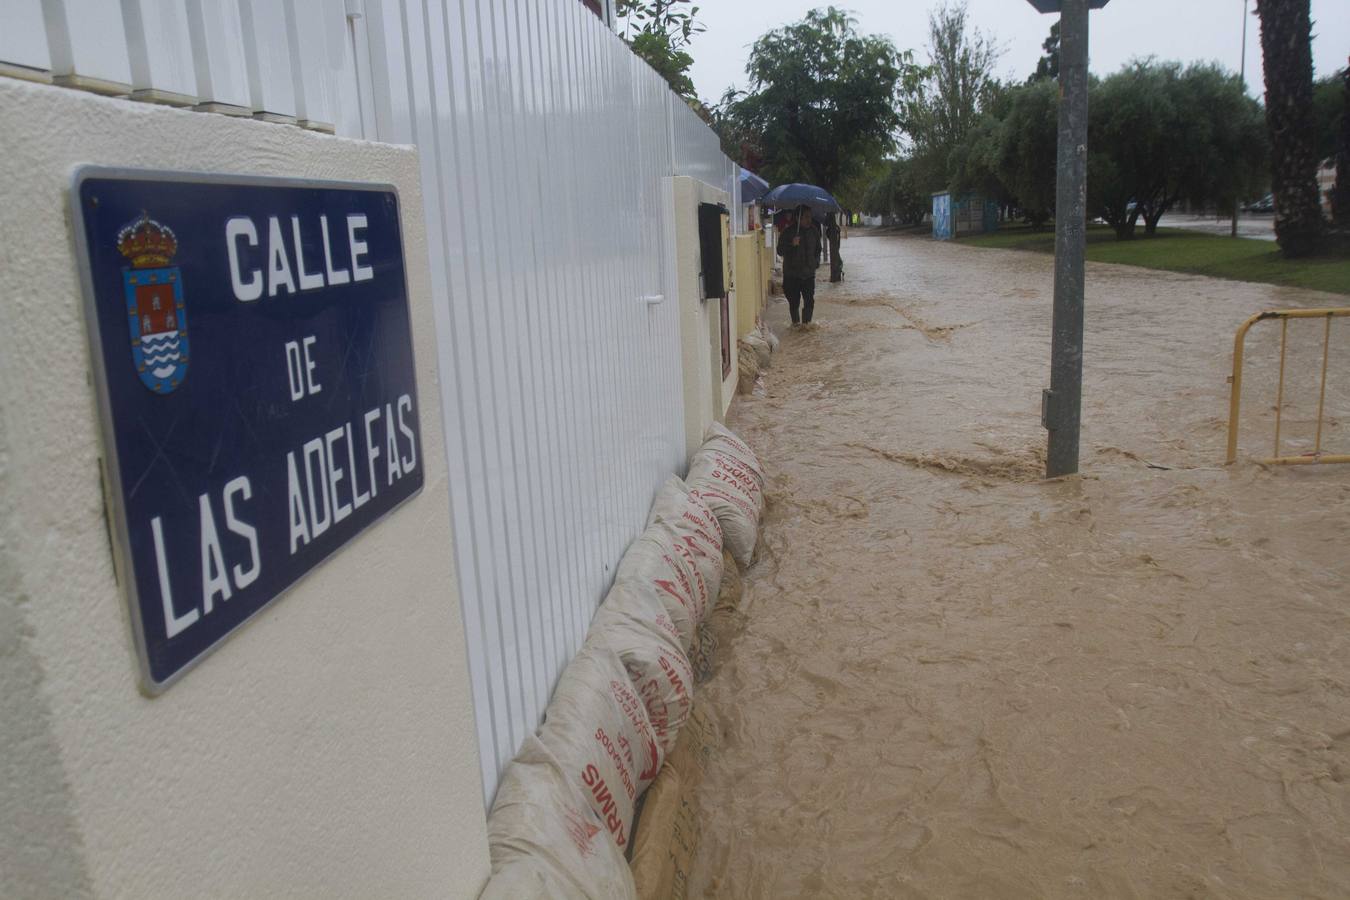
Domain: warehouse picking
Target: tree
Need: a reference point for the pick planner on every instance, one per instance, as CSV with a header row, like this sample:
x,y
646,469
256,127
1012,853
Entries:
x,y
1160,134
1331,110
1047,68
1027,149
945,104
1340,193
972,166
659,31
1286,49
821,102
894,194
1327,103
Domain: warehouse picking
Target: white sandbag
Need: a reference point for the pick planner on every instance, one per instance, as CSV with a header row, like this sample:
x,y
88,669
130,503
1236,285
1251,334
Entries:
x,y
747,368
696,529
526,879
705,594
720,437
739,516
769,336
658,668
545,840
735,497
718,467
654,562
597,727
763,353
632,602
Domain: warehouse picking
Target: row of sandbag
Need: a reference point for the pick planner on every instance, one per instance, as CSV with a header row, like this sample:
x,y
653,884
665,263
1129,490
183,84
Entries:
x,y
562,819
754,354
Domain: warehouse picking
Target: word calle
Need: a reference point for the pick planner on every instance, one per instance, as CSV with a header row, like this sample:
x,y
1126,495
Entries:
x,y
283,275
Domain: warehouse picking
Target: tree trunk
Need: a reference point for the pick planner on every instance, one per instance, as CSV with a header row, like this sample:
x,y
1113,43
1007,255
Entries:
x,y
1340,194
1151,217
1286,48
1124,224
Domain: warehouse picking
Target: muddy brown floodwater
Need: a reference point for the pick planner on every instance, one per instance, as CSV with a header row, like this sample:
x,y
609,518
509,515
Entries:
x,y
956,680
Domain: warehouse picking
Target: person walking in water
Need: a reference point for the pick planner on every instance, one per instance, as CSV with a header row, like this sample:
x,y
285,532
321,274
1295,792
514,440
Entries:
x,y
832,235
799,245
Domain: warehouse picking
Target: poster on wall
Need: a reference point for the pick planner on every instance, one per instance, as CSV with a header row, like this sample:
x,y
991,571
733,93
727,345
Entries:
x,y
252,349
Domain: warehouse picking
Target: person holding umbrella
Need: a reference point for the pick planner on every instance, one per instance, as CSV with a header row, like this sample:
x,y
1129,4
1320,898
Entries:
x,y
799,245
832,235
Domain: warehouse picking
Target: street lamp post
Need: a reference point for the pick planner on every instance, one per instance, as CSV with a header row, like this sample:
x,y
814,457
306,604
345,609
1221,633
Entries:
x,y
1061,405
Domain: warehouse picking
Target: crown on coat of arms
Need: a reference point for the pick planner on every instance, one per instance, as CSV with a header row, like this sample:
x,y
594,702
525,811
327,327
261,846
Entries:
x,y
147,243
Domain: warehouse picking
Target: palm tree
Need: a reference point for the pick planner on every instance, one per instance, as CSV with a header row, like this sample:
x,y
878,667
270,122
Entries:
x,y
1286,48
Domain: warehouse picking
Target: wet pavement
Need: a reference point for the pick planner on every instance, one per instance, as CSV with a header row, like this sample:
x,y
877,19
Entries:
x,y
957,680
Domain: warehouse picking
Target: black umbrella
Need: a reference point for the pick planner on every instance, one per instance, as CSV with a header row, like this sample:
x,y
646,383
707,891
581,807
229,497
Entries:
x,y
790,196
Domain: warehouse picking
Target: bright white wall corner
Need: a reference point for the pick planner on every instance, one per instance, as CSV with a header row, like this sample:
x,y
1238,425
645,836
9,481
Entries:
x,y
327,749
707,395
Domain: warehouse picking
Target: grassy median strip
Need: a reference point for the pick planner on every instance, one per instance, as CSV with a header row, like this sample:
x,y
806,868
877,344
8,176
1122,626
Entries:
x,y
1179,250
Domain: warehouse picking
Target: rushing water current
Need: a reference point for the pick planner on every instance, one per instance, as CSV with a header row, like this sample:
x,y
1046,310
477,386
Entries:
x,y
957,680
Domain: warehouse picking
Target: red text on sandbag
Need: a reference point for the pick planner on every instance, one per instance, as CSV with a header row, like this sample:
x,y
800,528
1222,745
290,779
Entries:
x,y
604,740
632,707
581,830
608,809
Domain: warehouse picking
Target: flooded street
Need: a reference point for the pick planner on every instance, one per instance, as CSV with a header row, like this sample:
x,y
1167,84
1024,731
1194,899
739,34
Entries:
x,y
956,680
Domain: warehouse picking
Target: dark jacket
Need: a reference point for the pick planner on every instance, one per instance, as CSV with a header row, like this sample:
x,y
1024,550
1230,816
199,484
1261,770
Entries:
x,y
800,261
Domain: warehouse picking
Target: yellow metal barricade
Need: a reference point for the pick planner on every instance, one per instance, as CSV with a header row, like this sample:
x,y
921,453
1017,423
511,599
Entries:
x,y
1235,403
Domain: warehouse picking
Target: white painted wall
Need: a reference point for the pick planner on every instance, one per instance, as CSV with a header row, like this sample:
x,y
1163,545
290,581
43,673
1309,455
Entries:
x,y
706,394
327,749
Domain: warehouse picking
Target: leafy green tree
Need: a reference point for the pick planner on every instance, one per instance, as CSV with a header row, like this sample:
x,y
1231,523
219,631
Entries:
x,y
1331,112
1160,134
1340,192
1328,105
972,166
1286,49
821,101
1047,67
659,31
1027,149
894,194
944,105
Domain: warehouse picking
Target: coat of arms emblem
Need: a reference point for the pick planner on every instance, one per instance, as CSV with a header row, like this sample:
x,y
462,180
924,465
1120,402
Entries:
x,y
154,298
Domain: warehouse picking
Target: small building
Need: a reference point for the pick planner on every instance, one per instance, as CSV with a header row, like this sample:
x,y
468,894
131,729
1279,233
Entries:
x,y
958,214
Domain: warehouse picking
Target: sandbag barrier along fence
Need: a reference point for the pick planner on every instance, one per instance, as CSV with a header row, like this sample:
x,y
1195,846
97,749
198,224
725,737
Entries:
x,y
754,355
623,718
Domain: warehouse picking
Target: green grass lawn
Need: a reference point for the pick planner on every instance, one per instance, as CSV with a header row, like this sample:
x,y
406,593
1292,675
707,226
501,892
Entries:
x,y
1179,250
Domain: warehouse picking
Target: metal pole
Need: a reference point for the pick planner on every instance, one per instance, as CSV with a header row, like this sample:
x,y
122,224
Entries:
x,y
1243,78
1062,404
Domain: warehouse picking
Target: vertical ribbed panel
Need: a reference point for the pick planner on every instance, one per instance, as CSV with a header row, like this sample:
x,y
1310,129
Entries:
x,y
160,51
697,151
88,44
545,145
23,36
267,55
218,58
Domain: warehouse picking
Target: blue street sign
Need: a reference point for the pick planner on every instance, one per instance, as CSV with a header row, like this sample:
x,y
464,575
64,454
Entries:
x,y
253,352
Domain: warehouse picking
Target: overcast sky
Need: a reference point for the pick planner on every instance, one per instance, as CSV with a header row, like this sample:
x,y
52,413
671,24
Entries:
x,y
1186,30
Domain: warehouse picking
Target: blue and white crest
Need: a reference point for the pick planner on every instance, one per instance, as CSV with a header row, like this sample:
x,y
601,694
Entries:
x,y
154,300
